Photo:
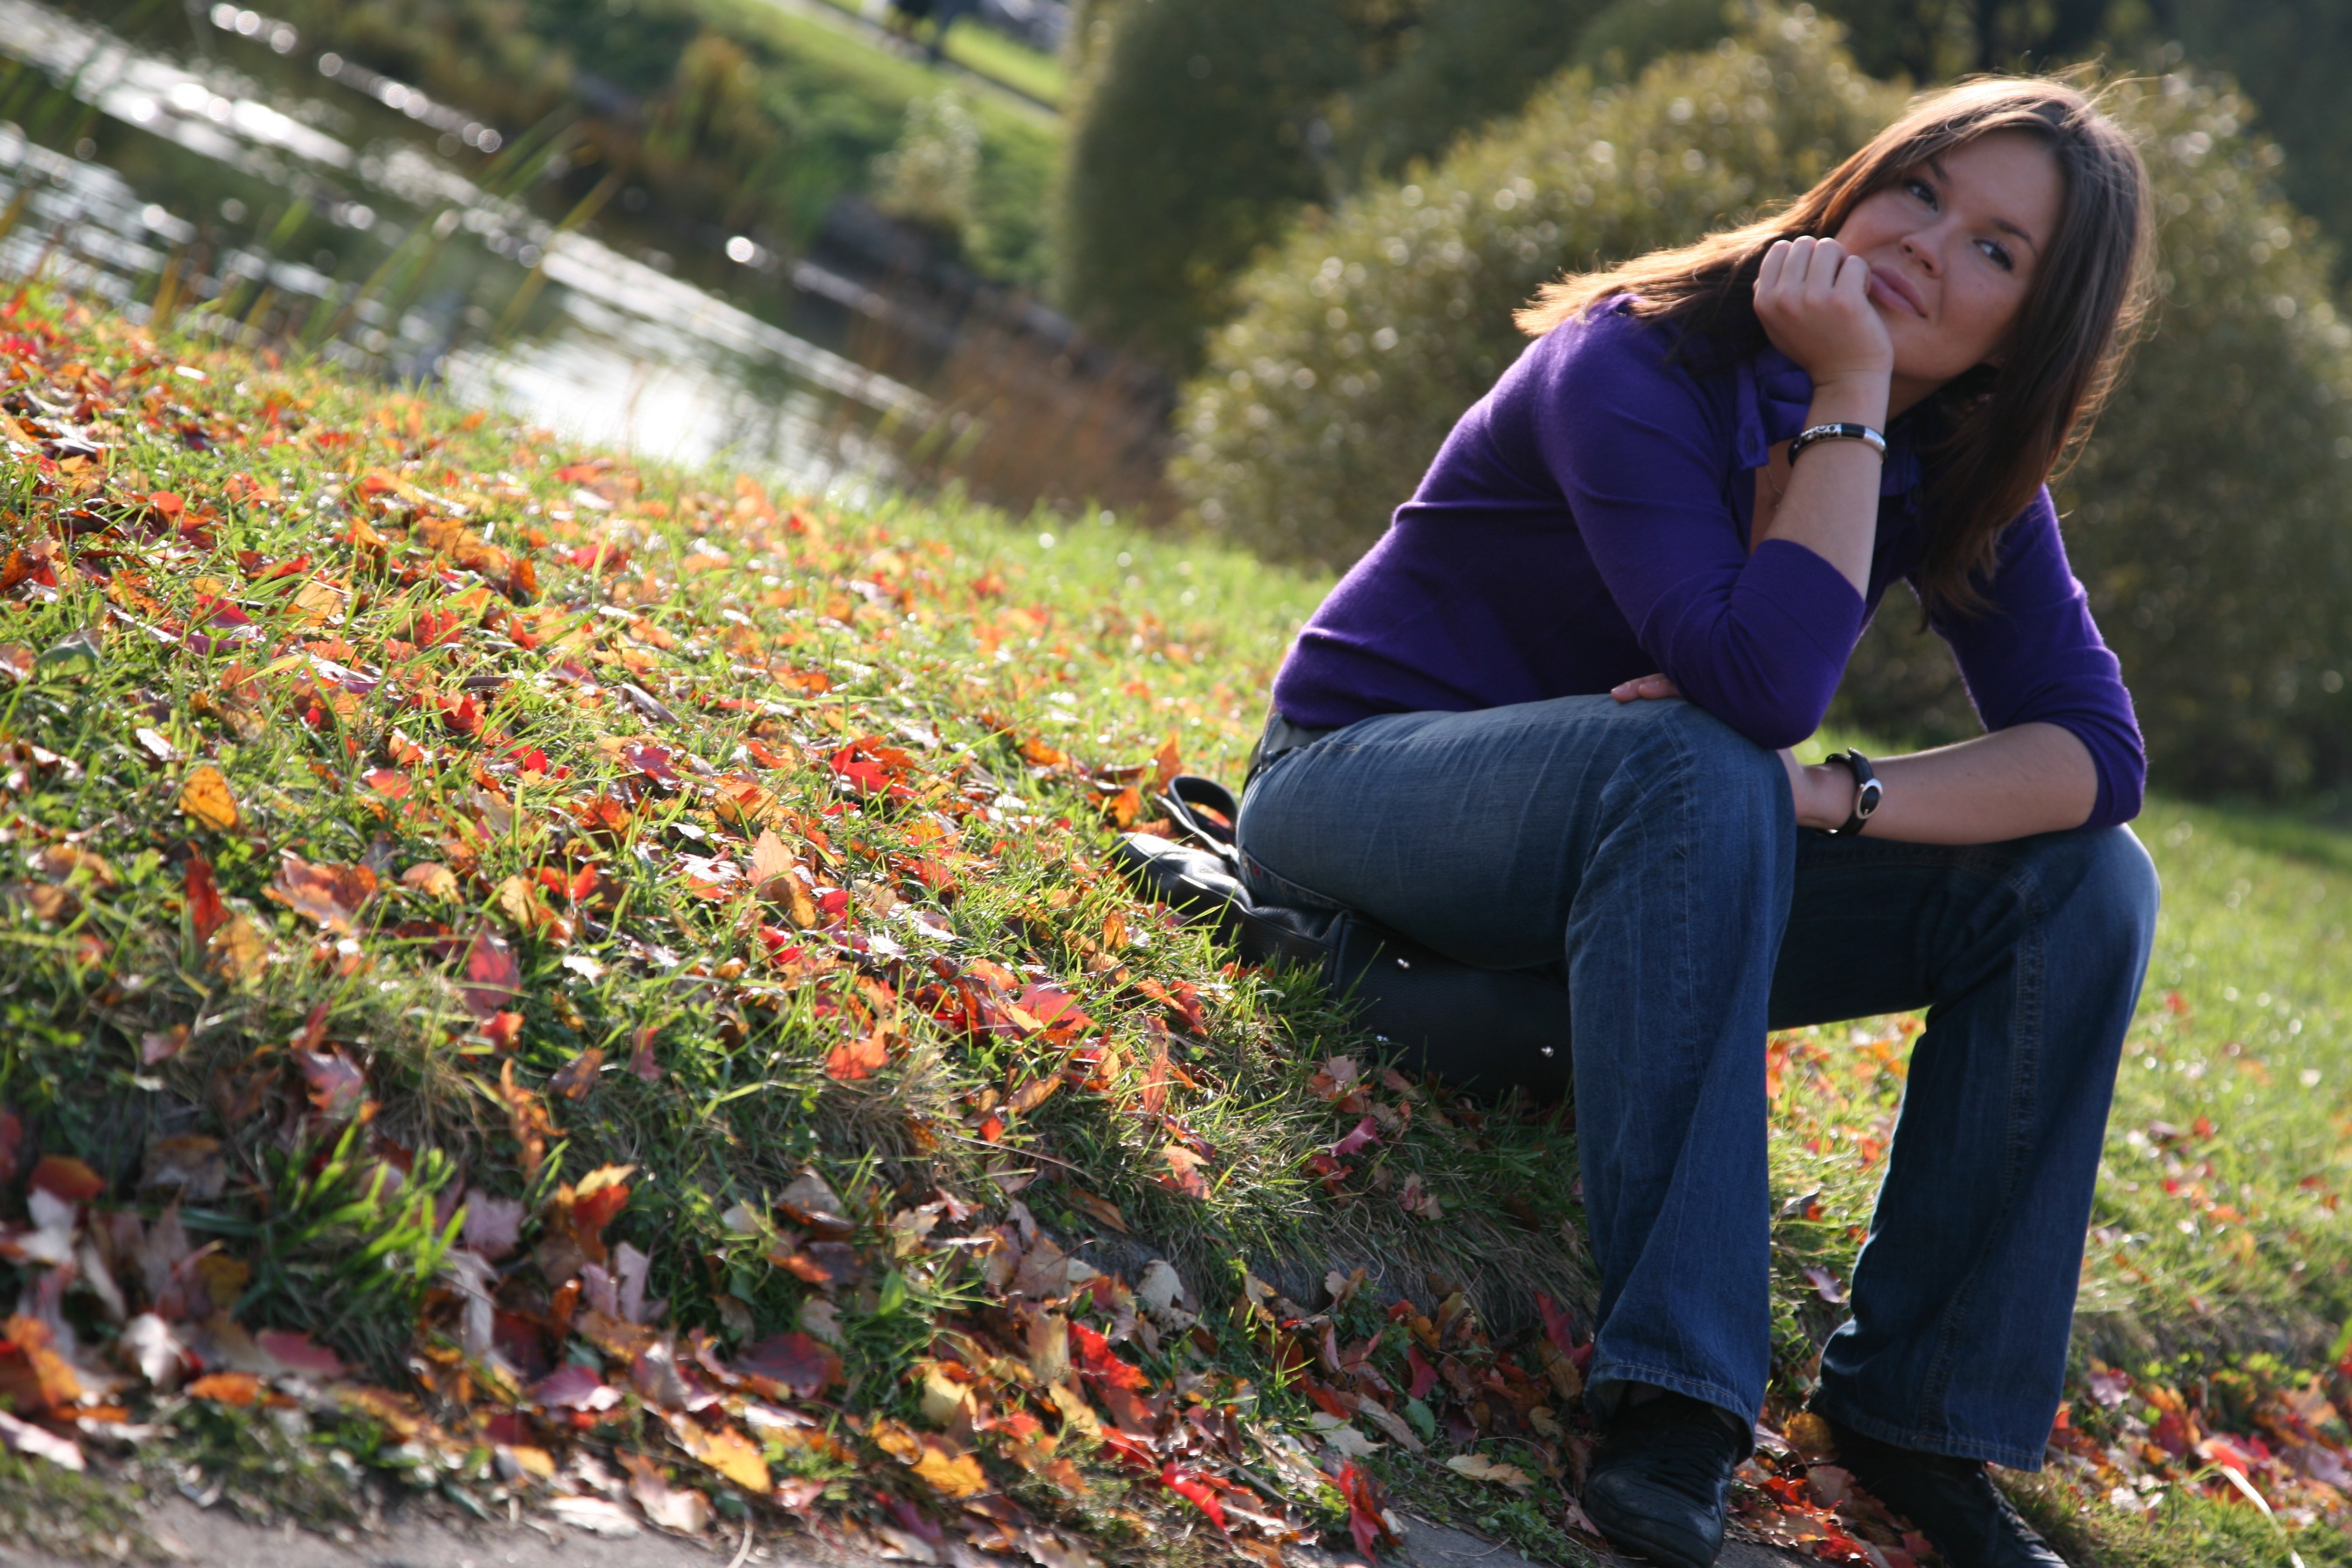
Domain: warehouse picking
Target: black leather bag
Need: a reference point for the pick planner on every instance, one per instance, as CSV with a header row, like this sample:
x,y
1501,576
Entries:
x,y
1486,1030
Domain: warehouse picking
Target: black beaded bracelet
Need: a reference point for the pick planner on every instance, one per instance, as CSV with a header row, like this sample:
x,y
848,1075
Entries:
x,y
1841,432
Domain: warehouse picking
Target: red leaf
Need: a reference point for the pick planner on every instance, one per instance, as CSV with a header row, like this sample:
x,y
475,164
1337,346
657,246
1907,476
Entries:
x,y
205,911
493,977
641,1060
1096,1360
1185,1486
337,1085
12,1137
575,1388
1054,1008
1556,1325
793,1364
297,1352
1364,1521
651,761
63,1176
1367,1133
1424,1376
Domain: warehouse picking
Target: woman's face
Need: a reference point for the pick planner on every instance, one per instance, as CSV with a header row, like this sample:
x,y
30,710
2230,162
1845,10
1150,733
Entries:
x,y
1953,246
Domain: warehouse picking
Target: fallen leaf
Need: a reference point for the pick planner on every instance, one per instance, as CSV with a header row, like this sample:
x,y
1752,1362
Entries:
x,y
300,1354
206,912
431,879
722,1448
237,1388
1102,1209
793,1364
63,1176
641,1059
1479,1467
24,1437
1183,1174
575,1388
1825,1285
493,1225
192,1163
493,977
160,1045
336,1083
860,1057
575,1078
682,1509
205,796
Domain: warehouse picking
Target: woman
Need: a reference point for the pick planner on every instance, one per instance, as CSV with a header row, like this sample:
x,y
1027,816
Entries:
x,y
1547,718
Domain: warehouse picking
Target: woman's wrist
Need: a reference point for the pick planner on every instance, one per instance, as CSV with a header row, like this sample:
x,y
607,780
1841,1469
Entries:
x,y
1829,796
1855,398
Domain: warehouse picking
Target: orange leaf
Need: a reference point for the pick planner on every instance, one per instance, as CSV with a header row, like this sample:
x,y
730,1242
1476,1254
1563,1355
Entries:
x,y
204,795
578,1076
1184,1172
856,1058
724,1449
328,895
237,1388
63,1176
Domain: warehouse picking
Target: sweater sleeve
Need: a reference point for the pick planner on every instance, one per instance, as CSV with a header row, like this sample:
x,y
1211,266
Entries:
x,y
1640,453
2036,657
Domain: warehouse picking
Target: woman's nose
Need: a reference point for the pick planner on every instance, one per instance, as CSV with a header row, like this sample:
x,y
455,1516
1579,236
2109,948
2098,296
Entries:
x,y
1921,245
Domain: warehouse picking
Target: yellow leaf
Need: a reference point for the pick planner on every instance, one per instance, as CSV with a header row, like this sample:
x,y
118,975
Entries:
x,y
206,796
956,1475
723,1449
320,602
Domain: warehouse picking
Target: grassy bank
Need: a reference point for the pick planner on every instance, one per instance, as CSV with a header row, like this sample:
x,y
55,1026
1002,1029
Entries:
x,y
600,991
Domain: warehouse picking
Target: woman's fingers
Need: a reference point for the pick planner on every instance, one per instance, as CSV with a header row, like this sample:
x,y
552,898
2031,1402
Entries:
x,y
1646,687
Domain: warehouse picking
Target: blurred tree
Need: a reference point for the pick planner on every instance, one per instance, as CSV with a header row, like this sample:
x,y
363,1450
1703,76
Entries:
x,y
2293,58
1199,128
1196,133
1464,63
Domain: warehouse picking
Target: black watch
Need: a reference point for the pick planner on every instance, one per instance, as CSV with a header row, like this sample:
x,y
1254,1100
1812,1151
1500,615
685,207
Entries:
x,y
1868,792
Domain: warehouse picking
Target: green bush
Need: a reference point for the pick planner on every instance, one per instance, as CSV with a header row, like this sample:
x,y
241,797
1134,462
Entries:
x,y
2210,517
1465,63
1367,335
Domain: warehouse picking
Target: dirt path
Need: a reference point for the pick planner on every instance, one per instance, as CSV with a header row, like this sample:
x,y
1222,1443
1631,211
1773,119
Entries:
x,y
219,1539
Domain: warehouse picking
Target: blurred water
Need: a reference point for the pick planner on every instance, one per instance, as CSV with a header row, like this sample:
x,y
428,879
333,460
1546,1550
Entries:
x,y
266,193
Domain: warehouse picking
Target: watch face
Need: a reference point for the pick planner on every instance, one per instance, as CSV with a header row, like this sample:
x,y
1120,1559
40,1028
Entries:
x,y
1866,799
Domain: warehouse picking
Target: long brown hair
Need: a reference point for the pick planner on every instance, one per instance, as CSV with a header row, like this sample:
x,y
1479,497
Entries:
x,y
2005,430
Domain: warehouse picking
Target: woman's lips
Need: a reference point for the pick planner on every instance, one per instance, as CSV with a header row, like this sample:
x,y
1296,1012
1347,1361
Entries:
x,y
1892,288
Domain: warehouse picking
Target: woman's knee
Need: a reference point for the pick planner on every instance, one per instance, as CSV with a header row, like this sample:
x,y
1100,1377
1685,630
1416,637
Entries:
x,y
1723,768
2102,885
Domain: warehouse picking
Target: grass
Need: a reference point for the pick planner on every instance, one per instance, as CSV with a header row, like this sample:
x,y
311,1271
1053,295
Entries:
x,y
742,838
1005,60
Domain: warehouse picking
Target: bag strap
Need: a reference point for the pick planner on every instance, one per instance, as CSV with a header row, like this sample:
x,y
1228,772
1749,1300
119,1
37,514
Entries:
x,y
1205,811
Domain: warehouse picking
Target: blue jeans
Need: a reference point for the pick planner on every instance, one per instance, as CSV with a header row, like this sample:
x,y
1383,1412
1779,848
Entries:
x,y
1654,852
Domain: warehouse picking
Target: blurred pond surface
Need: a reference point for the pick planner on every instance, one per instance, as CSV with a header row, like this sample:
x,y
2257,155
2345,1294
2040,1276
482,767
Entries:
x,y
268,194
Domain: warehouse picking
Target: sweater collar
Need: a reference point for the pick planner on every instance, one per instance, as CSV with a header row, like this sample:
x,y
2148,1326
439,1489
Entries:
x,y
1775,393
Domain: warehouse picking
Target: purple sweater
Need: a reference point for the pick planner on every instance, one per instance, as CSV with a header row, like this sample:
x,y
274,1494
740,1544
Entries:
x,y
1587,523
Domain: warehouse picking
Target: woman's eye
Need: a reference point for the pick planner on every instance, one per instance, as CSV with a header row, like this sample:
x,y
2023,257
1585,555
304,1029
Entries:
x,y
1921,189
2000,254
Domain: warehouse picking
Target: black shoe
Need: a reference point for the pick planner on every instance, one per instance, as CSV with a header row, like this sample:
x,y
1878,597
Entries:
x,y
1661,1481
1953,1502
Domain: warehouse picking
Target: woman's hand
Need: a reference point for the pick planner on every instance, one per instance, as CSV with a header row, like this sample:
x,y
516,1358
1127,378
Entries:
x,y
1644,689
1813,301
